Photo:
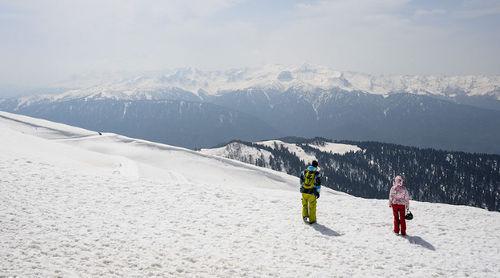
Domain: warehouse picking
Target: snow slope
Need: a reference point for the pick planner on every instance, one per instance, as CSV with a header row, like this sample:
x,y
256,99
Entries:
x,y
75,203
293,148
237,151
336,148
248,154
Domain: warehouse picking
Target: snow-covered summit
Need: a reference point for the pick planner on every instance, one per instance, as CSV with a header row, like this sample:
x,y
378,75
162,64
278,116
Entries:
x,y
273,77
76,203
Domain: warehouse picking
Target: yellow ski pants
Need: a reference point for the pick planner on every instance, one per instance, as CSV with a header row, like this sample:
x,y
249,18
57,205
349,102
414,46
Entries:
x,y
309,206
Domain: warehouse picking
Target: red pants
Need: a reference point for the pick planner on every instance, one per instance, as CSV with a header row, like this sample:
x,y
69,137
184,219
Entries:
x,y
399,218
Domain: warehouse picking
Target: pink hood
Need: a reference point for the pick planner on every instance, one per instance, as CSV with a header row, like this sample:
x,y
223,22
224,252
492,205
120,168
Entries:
x,y
399,194
398,181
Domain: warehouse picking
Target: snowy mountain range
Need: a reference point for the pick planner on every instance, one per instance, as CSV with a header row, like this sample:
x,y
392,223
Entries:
x,y
274,77
198,109
364,169
76,203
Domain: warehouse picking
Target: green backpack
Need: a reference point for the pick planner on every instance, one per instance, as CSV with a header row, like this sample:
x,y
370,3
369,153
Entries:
x,y
309,179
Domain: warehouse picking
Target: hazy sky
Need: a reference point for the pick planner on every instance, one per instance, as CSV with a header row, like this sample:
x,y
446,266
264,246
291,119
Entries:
x,y
45,41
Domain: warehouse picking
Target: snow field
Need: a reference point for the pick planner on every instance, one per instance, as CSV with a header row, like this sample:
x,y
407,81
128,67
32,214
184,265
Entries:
x,y
293,148
235,150
336,148
176,213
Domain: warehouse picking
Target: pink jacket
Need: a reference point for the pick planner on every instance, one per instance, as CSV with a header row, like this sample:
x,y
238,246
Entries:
x,y
399,194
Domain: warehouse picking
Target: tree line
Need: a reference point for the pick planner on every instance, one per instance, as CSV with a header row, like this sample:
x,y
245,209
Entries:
x,y
431,175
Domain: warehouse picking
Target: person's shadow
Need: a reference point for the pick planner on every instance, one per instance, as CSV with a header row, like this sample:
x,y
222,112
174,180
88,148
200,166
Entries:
x,y
324,230
420,241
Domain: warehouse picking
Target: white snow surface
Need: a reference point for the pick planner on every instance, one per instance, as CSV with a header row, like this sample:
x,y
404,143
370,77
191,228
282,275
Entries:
x,y
306,77
237,150
293,148
336,148
242,152
74,203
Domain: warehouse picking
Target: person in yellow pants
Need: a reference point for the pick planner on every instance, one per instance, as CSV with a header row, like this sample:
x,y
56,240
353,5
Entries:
x,y
309,208
310,181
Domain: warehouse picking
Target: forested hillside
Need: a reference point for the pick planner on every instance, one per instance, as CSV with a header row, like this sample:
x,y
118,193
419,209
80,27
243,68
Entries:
x,y
431,175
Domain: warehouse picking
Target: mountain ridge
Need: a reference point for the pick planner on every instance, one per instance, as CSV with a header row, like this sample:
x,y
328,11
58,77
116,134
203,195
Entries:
x,y
282,78
286,101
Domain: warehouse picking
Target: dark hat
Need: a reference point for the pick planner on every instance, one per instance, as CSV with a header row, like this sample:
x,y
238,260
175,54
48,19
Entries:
x,y
314,163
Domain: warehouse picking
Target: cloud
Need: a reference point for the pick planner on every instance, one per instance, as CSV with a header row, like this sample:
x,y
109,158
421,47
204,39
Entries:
x,y
59,37
432,12
44,41
477,9
357,35
394,37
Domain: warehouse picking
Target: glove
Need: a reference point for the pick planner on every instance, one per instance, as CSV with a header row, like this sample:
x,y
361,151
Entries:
x,y
317,189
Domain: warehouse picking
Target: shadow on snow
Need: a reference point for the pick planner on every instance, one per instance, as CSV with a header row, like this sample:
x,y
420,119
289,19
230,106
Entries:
x,y
420,241
325,230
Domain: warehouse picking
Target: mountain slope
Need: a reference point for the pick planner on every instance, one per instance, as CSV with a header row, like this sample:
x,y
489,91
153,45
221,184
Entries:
x,y
75,203
282,78
365,169
406,119
459,113
178,122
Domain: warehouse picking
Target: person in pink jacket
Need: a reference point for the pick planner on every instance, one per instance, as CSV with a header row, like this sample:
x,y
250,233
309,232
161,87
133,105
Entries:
x,y
399,200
